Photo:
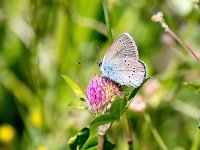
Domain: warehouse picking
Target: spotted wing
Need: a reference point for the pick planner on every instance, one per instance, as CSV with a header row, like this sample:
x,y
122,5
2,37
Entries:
x,y
124,45
129,72
121,62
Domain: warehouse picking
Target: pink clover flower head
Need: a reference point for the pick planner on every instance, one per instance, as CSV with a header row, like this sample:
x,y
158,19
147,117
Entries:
x,y
138,104
101,92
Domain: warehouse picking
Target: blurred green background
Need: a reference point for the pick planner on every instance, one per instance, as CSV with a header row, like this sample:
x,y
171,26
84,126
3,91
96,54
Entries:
x,y
42,39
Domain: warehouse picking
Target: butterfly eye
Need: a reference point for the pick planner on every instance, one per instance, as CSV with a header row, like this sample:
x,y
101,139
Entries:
x,y
99,63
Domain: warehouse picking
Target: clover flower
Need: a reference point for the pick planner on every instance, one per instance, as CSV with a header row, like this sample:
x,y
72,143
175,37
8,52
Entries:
x,y
101,92
138,104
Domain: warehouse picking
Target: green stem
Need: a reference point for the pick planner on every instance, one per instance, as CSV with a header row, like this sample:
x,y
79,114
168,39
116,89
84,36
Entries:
x,y
128,133
108,26
196,140
155,132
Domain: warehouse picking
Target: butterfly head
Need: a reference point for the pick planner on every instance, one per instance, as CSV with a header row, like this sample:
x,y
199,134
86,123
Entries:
x,y
99,63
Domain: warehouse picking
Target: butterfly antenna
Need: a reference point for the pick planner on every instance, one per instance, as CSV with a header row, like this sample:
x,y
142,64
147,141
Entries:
x,y
84,62
100,54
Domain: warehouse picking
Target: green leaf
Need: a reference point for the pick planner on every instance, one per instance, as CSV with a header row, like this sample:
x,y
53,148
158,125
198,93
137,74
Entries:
x,y
134,92
91,142
77,90
117,108
77,105
108,145
102,119
123,106
79,139
193,86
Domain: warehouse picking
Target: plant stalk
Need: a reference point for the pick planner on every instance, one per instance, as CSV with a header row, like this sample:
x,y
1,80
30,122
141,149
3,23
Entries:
x,y
107,20
159,18
128,133
100,142
155,133
168,30
109,34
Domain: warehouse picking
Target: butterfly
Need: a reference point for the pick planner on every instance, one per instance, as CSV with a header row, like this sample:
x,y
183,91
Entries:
x,y
121,62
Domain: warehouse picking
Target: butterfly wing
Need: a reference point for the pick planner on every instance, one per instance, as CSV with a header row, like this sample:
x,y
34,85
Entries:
x,y
130,72
121,62
124,45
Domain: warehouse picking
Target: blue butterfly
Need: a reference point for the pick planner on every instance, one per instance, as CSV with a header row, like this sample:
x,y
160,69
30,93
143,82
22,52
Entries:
x,y
121,63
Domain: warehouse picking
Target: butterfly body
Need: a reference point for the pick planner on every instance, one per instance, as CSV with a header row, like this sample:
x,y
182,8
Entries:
x,y
122,64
